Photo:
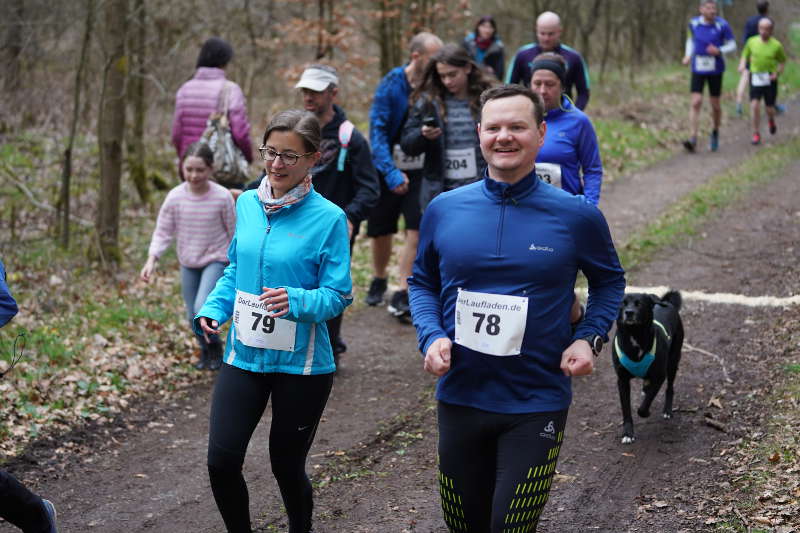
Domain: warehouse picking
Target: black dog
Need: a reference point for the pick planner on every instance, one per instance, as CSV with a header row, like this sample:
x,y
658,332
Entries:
x,y
647,345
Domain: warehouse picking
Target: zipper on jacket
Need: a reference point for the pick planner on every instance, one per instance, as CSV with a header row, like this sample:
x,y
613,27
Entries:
x,y
261,252
500,224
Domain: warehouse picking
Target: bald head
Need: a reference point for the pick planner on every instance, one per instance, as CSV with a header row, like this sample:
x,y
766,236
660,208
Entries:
x,y
420,48
765,26
424,41
548,18
548,31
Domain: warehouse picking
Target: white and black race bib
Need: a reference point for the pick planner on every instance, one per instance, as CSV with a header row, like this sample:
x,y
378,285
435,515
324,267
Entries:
x,y
403,161
257,328
493,324
760,79
705,63
459,163
549,173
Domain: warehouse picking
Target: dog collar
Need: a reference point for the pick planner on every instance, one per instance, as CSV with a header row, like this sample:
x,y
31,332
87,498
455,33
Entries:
x,y
640,368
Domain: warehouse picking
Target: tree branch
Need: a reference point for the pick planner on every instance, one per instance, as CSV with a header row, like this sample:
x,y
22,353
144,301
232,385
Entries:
x,y
9,175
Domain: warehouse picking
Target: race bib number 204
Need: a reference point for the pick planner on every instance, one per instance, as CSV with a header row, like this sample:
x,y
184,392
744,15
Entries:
x,y
257,328
493,324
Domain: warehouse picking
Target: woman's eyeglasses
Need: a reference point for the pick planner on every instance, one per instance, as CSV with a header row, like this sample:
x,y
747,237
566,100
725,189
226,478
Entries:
x,y
289,158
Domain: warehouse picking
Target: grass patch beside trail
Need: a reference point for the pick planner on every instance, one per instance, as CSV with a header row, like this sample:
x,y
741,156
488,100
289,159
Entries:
x,y
762,467
692,212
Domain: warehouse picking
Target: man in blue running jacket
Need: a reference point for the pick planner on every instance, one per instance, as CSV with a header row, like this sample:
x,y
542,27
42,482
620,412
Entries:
x,y
491,293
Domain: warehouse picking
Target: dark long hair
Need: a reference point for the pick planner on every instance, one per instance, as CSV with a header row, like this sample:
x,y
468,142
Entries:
x,y
490,20
434,90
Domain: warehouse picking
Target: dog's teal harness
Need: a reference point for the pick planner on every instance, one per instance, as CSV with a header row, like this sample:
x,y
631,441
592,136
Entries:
x,y
640,368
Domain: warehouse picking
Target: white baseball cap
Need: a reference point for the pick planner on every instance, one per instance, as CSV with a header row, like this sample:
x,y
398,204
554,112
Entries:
x,y
317,79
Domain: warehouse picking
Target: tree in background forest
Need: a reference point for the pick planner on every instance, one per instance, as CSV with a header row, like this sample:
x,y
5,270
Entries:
x,y
65,72
111,130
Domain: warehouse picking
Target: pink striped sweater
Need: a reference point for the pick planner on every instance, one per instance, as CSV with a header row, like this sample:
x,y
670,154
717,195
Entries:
x,y
202,225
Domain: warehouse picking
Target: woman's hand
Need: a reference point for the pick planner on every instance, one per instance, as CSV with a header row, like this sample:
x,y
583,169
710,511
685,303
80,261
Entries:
x,y
431,133
277,301
209,327
148,269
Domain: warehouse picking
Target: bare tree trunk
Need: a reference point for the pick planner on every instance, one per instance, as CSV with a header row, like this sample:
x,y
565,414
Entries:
x,y
66,174
136,148
390,36
12,48
111,130
587,27
606,42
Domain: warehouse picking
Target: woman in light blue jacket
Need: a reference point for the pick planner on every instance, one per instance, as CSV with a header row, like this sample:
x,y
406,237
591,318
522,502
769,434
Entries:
x,y
289,273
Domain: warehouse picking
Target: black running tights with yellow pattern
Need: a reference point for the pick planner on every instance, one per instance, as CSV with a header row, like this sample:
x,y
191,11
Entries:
x,y
495,469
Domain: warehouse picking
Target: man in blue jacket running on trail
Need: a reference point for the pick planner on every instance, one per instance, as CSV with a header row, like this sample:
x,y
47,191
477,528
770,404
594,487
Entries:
x,y
709,38
492,313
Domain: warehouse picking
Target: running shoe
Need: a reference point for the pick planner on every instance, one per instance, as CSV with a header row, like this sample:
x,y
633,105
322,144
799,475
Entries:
x,y
713,142
773,128
50,510
739,110
756,139
376,291
690,145
398,306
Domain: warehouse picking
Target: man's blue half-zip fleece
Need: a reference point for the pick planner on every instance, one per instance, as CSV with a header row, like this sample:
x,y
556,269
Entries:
x,y
526,239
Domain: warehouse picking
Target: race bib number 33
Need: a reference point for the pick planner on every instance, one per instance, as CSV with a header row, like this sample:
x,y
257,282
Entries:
x,y
549,173
493,324
255,326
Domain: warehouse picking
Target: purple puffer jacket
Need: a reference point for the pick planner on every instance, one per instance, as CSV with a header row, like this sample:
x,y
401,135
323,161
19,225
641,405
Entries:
x,y
197,99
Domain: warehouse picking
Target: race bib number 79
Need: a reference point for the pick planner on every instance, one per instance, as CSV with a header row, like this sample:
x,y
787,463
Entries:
x,y
493,324
257,328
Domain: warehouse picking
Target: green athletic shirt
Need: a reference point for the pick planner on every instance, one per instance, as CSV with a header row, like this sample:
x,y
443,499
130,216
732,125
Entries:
x,y
764,56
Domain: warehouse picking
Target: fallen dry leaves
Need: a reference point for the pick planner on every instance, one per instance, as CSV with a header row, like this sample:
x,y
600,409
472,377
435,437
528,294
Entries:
x,y
91,350
763,465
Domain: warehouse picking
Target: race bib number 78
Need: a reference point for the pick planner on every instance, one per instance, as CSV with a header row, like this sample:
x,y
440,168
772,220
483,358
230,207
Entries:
x,y
493,324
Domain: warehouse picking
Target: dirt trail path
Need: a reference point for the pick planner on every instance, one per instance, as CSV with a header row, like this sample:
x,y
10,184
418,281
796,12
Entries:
x,y
148,473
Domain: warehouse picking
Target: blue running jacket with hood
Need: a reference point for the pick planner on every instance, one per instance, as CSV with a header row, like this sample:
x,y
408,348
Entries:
x,y
304,248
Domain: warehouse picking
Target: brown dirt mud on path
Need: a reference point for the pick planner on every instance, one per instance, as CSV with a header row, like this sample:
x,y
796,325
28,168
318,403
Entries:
x,y
374,456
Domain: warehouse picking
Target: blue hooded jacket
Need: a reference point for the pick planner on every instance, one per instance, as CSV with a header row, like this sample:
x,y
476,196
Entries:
x,y
303,248
386,118
571,143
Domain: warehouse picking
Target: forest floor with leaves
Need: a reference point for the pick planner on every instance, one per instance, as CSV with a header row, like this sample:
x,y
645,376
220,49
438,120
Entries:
x,y
119,439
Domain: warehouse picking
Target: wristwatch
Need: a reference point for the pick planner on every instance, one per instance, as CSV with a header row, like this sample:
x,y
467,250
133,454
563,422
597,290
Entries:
x,y
596,343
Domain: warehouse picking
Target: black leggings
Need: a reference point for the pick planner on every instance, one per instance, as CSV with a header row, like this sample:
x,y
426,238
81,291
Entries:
x,y
495,470
240,398
20,506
